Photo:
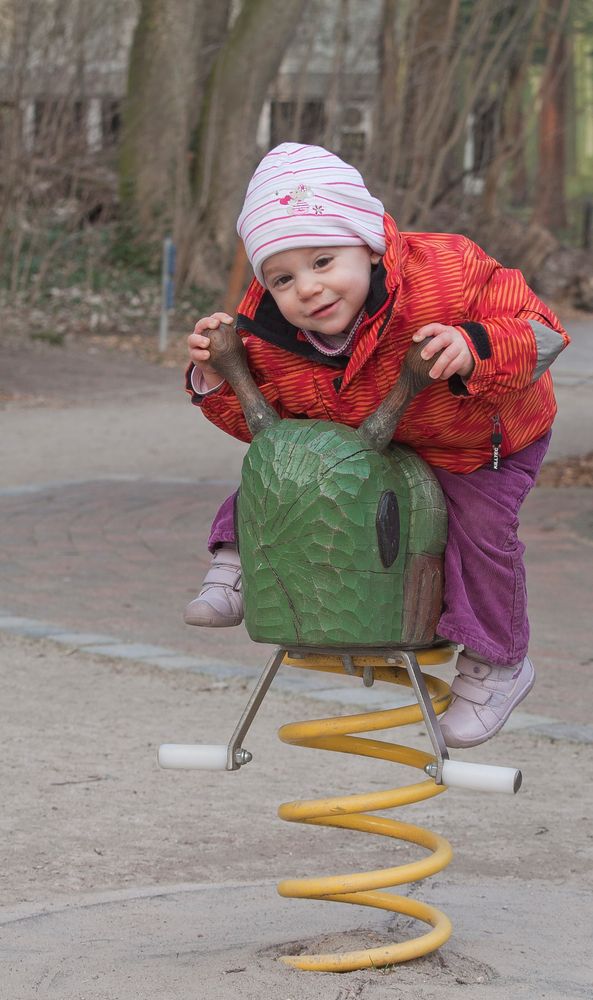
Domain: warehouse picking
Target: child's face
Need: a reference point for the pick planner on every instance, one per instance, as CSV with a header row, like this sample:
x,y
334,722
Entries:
x,y
321,289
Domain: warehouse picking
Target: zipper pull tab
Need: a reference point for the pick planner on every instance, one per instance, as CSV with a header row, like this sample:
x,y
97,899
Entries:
x,y
496,440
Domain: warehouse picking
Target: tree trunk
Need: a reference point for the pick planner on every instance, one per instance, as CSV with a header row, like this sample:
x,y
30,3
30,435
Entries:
x,y
433,39
226,147
384,149
507,157
173,44
550,205
331,136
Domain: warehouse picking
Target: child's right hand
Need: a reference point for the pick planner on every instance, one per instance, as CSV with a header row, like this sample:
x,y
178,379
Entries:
x,y
199,342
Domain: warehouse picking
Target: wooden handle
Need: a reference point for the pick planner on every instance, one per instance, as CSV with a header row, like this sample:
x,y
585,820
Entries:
x,y
227,355
378,429
228,358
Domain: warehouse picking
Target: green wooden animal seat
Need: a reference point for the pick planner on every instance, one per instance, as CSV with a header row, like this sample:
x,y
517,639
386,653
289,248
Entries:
x,y
340,545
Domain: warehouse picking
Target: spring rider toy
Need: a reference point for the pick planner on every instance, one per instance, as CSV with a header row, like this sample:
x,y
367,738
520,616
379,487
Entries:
x,y
341,536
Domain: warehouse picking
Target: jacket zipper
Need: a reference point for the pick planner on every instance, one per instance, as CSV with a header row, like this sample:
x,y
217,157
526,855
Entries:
x,y
496,440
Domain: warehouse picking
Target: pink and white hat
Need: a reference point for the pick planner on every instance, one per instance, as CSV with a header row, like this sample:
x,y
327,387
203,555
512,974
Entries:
x,y
305,196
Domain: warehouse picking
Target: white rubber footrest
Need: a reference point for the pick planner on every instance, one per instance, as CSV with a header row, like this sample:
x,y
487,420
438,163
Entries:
x,y
209,757
481,777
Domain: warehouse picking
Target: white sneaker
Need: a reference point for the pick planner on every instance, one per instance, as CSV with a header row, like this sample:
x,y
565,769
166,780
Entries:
x,y
484,696
220,601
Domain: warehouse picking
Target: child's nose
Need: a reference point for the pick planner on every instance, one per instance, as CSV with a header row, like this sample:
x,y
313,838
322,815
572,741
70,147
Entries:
x,y
308,285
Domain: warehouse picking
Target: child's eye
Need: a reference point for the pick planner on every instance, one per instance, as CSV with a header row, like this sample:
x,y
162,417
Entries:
x,y
282,279
323,261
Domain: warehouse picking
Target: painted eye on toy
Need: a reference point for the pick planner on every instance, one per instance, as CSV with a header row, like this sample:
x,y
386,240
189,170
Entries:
x,y
388,528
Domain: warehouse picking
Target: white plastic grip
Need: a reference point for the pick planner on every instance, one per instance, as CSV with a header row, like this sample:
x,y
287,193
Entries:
x,y
209,757
481,777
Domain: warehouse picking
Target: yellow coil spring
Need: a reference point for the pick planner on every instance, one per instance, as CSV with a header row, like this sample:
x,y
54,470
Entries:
x,y
345,811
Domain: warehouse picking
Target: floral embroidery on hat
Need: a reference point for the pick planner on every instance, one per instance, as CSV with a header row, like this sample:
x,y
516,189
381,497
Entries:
x,y
296,201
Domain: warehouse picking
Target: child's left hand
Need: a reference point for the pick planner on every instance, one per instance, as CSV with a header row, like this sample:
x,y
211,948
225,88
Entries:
x,y
456,358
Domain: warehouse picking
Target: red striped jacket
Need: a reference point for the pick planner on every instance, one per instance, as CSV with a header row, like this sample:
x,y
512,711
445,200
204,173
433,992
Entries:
x,y
423,278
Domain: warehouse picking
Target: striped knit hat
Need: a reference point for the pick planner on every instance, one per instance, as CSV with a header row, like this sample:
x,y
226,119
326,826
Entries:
x,y
305,196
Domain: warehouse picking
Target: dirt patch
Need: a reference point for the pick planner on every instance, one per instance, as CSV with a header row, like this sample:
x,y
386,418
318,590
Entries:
x,y
576,471
446,965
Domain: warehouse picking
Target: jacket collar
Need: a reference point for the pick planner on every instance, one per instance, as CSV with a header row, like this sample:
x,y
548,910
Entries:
x,y
259,315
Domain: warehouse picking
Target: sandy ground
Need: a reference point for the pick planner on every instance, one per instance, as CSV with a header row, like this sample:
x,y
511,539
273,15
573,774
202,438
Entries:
x,y
121,880
86,809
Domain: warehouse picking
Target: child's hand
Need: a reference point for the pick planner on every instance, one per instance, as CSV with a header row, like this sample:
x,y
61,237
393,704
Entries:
x,y
456,358
198,343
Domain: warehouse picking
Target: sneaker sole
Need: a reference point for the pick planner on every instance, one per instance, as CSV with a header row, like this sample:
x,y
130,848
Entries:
x,y
229,623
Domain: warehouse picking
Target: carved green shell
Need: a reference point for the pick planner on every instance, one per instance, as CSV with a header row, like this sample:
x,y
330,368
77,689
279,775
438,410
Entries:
x,y
340,545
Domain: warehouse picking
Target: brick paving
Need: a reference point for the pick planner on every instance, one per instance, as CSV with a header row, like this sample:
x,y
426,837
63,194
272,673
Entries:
x,y
115,557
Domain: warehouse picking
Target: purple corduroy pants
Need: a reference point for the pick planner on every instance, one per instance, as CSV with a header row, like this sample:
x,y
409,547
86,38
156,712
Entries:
x,y
485,596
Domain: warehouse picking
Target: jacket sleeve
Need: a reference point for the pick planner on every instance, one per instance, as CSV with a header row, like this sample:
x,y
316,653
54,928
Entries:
x,y
511,333
222,407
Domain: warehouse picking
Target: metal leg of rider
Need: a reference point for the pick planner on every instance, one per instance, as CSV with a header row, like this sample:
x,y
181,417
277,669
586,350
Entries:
x,y
236,755
432,723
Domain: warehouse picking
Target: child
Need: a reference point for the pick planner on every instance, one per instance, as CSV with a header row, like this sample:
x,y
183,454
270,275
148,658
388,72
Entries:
x,y
338,297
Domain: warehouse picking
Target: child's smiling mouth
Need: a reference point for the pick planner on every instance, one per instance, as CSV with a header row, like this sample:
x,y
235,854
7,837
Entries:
x,y
323,310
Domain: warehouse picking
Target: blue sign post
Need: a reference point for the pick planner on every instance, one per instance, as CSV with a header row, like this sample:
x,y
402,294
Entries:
x,y
167,290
